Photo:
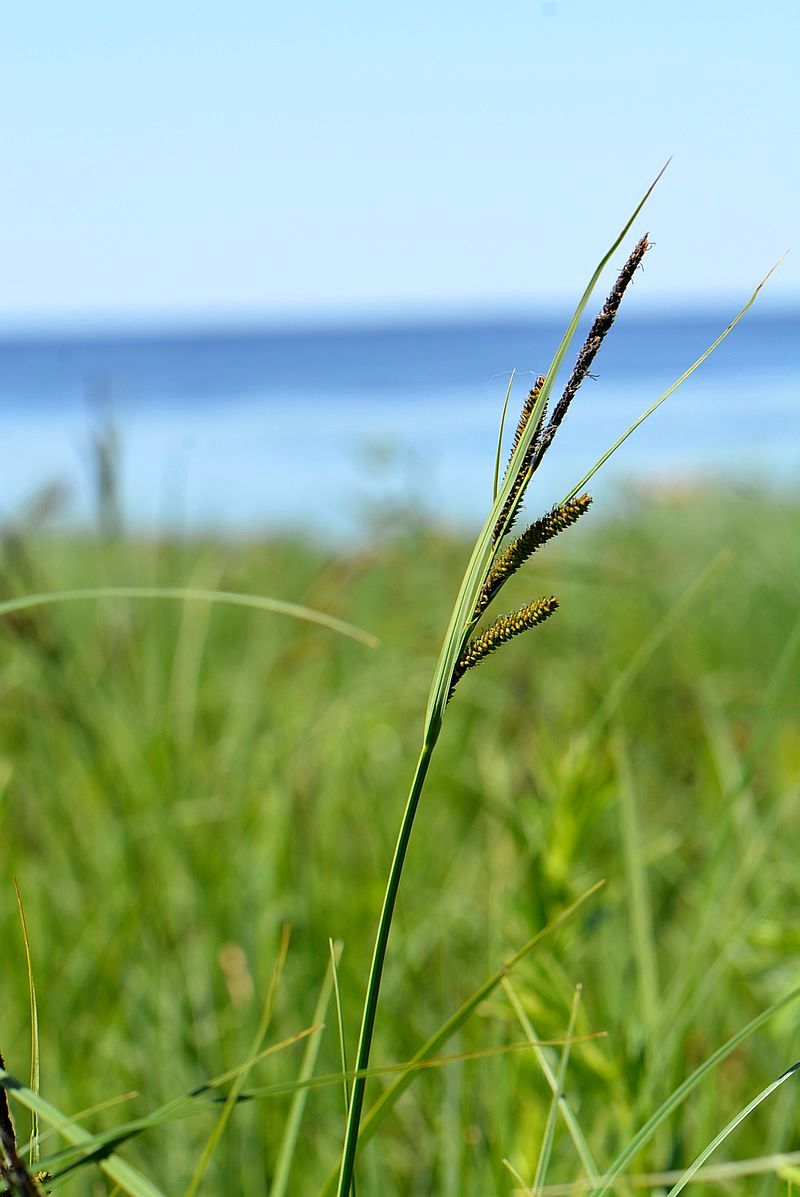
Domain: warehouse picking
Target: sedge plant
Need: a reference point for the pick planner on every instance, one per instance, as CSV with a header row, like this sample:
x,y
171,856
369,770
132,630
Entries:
x,y
500,551
496,556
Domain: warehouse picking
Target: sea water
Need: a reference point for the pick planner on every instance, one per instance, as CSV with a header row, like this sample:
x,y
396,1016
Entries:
x,y
253,429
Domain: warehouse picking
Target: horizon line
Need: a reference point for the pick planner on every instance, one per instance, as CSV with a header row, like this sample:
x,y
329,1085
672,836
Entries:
x,y
326,322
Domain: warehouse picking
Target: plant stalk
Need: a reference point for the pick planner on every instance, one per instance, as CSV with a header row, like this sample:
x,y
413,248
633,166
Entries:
x,y
376,967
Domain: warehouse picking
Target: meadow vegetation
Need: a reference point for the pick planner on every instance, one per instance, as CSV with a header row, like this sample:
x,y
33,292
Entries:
x,y
183,781
197,806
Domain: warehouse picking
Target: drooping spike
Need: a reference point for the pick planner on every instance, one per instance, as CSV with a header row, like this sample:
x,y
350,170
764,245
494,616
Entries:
x,y
505,628
525,415
591,345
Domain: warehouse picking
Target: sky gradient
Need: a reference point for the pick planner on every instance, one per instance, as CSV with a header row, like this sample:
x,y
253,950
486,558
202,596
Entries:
x,y
193,161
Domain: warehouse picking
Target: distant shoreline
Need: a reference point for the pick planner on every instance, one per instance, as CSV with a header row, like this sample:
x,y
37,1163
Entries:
x,y
150,328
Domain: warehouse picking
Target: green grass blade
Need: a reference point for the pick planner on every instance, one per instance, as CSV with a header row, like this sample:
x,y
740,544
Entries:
x,y
570,1121
517,1177
652,643
385,1103
281,1089
499,453
670,390
680,1094
727,1130
90,1111
185,1106
784,671
339,1021
552,1116
782,1165
92,1148
128,1179
238,1084
33,1149
638,894
188,594
283,1163
342,1042
232,1073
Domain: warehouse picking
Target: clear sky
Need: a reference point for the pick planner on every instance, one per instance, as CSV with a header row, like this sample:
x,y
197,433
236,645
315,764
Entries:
x,y
173,161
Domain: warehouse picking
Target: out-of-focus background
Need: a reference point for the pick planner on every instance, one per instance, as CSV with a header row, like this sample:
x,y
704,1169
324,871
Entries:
x,y
265,272
277,244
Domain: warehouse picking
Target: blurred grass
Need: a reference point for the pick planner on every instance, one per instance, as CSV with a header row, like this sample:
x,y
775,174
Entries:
x,y
177,782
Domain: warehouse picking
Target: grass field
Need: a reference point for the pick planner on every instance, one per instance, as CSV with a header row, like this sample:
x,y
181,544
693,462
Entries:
x,y
181,781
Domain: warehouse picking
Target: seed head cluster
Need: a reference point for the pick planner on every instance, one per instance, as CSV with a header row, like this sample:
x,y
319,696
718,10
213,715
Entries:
x,y
507,560
505,628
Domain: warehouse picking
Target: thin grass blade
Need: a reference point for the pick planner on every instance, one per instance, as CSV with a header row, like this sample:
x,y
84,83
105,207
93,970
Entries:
x,y
90,1111
188,594
671,390
33,1148
245,1066
499,453
727,1130
783,672
676,1098
552,1117
95,1146
383,1070
238,1084
517,1177
283,1163
782,1166
117,1169
339,1020
186,1105
579,1140
652,643
638,893
385,1103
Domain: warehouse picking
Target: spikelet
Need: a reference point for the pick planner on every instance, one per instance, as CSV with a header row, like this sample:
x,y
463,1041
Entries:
x,y
591,345
505,628
561,517
527,410
525,415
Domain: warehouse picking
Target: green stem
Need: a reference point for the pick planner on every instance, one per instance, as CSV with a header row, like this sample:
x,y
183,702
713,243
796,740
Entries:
x,y
376,968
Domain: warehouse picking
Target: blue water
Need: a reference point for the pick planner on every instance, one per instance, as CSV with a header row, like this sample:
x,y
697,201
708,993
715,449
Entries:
x,y
333,428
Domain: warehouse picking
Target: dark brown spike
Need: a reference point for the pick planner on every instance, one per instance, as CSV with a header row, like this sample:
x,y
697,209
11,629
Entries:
x,y
505,628
557,520
525,415
591,345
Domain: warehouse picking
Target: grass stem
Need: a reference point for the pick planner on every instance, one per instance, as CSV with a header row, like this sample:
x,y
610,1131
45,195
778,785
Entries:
x,y
376,968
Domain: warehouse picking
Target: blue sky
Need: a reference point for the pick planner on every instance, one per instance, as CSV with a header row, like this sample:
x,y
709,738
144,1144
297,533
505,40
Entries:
x,y
183,161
